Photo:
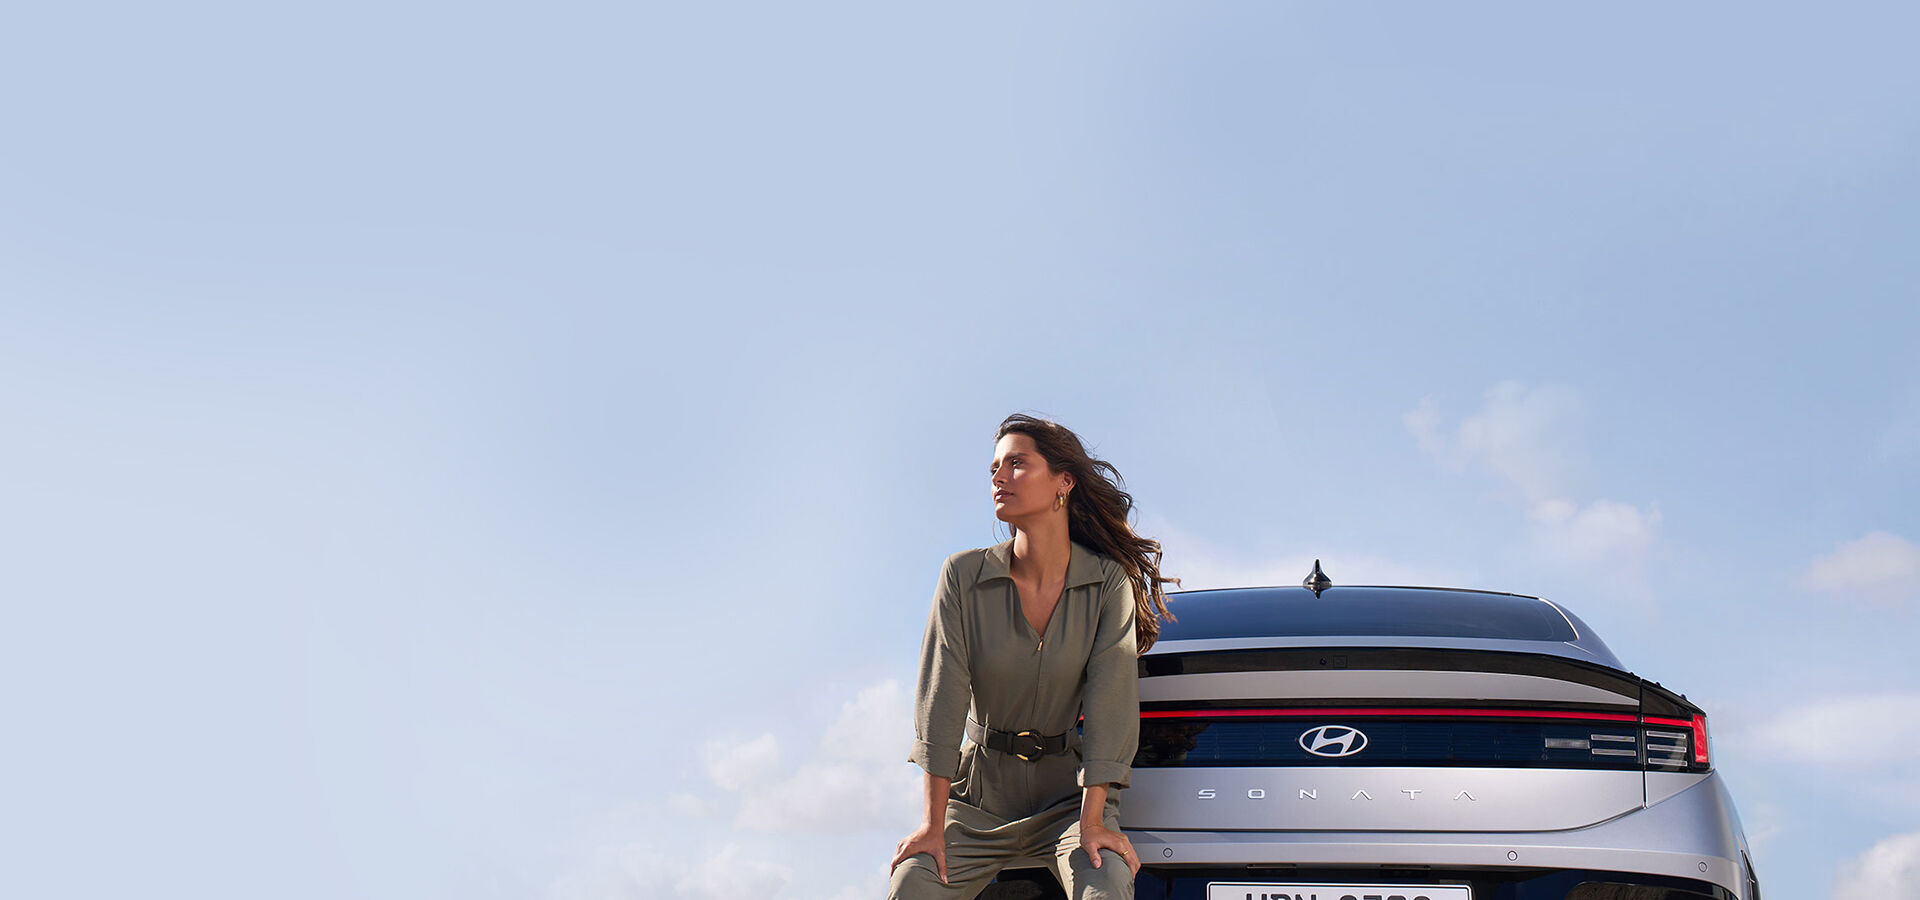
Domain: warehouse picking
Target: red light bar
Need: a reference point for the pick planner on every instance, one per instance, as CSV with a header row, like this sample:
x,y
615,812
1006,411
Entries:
x,y
1387,711
1696,725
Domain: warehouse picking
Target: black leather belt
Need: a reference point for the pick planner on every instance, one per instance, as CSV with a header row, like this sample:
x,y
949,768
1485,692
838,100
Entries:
x,y
1026,745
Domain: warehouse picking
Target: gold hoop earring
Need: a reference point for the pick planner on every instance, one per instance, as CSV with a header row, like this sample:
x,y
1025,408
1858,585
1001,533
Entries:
x,y
1060,502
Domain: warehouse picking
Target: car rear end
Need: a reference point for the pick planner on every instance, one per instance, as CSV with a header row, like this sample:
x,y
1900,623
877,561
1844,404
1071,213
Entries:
x,y
1359,742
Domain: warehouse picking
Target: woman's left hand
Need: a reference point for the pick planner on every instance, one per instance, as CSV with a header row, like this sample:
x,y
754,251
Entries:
x,y
1094,838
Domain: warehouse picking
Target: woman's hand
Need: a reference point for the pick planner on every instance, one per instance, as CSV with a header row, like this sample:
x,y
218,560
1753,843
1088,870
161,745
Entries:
x,y
928,838
1093,838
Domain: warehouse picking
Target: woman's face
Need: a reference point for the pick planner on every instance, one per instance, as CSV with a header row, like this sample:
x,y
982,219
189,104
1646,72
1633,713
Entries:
x,y
1024,487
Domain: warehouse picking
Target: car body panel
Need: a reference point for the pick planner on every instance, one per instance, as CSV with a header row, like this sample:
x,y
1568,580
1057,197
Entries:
x,y
1379,798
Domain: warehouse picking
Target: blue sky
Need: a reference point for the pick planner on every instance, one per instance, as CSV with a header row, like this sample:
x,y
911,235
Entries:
x,y
475,451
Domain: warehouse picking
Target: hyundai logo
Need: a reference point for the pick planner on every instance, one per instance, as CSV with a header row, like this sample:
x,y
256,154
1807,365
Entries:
x,y
1333,740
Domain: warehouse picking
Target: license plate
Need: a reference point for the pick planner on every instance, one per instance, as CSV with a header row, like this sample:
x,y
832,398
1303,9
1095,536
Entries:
x,y
1275,890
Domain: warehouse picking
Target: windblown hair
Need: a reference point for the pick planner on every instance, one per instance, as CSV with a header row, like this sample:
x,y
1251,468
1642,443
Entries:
x,y
1097,516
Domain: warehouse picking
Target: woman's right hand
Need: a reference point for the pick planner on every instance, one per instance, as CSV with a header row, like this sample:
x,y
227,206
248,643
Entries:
x,y
929,839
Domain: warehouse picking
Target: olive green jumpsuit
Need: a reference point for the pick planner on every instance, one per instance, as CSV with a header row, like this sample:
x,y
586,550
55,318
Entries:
x,y
981,660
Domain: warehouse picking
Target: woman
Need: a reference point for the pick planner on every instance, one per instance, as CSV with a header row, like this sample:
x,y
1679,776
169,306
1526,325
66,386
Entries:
x,y
1024,638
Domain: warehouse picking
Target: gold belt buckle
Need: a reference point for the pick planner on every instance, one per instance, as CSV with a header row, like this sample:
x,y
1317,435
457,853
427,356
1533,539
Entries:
x,y
1036,746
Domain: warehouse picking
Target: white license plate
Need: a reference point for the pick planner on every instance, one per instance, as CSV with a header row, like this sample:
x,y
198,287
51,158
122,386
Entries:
x,y
1275,890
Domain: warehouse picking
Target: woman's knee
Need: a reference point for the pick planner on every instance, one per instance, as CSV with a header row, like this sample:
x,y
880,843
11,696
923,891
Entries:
x,y
916,878
1112,880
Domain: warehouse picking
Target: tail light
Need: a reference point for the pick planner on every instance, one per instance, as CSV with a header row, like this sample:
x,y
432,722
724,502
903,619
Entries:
x,y
1425,735
1676,731
1668,747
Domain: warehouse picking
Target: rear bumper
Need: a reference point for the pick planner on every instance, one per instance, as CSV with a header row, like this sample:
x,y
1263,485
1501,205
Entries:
x,y
1693,834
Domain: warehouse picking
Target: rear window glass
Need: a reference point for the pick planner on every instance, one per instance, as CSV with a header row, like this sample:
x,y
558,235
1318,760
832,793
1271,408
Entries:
x,y
1362,612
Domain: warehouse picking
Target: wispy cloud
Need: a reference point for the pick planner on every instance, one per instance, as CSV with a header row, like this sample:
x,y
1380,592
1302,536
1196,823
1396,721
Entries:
x,y
1524,437
1602,532
645,870
856,779
765,829
734,764
1202,564
1876,729
1764,821
873,885
1519,433
1879,567
1889,870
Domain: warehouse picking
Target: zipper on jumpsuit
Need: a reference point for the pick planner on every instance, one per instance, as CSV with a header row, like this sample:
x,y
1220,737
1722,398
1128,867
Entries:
x,y
1039,683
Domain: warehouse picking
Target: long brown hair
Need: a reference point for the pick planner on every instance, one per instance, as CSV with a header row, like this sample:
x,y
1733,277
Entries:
x,y
1097,516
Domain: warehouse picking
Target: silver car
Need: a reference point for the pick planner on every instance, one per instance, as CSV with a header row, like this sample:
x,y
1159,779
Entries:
x,y
1409,743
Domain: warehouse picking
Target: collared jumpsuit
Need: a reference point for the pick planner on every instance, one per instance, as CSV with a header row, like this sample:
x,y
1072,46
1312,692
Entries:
x,y
981,660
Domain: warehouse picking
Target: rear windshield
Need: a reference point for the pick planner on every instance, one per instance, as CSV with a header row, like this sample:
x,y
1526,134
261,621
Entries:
x,y
1362,612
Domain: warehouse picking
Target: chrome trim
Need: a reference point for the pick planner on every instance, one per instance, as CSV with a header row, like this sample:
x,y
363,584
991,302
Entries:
x,y
1563,615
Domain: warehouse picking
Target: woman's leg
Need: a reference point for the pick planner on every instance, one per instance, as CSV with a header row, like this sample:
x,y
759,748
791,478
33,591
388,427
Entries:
x,y
974,855
968,873
1111,881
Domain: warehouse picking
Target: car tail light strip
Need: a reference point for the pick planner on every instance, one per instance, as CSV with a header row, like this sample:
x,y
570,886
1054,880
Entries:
x,y
1394,711
1663,748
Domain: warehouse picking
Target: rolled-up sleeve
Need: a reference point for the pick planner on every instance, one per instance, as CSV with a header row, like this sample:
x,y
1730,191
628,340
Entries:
x,y
945,687
1111,694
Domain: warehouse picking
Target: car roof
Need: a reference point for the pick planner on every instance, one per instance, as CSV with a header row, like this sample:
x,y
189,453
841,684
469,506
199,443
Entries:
x,y
1376,616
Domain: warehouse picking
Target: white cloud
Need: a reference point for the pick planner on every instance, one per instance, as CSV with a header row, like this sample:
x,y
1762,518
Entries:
x,y
1523,435
1424,422
874,885
687,806
644,871
731,874
1878,567
770,830
735,764
1520,433
1201,564
1863,729
857,779
1601,533
1889,870
1764,822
